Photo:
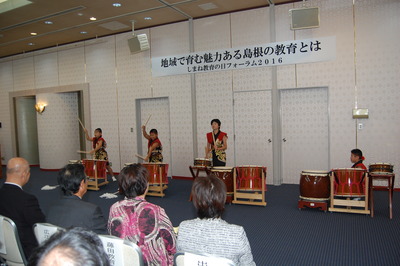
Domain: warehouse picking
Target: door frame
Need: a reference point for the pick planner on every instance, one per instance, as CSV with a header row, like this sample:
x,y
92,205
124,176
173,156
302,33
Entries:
x,y
82,89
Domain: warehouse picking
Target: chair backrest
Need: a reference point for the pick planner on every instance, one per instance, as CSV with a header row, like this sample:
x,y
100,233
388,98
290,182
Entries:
x,y
10,245
122,252
44,231
191,259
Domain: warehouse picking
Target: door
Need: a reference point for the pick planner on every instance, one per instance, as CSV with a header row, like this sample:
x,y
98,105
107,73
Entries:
x,y
305,132
26,129
156,112
253,129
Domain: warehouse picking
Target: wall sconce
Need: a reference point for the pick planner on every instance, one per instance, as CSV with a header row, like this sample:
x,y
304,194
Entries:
x,y
40,108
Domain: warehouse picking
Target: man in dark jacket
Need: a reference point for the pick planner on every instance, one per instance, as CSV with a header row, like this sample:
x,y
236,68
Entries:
x,y
71,210
19,206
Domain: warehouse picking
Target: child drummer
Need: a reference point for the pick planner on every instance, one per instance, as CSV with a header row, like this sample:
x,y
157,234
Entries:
x,y
357,159
154,146
99,149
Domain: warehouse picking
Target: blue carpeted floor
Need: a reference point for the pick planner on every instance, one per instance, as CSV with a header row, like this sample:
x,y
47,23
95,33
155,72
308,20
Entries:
x,y
279,233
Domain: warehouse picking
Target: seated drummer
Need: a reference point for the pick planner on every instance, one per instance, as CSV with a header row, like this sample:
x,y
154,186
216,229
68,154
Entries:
x,y
357,159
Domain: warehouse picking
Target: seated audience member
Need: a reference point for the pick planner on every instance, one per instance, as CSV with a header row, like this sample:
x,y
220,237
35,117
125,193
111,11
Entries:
x,y
357,159
19,206
209,234
140,221
71,210
76,247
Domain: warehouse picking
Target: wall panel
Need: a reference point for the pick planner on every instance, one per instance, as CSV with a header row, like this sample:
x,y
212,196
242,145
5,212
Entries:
x,y
46,70
6,85
58,130
378,83
171,40
71,65
100,66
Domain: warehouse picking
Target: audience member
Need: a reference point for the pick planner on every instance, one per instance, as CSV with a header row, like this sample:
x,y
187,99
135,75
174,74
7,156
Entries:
x,y
74,247
357,159
140,221
71,210
21,207
208,234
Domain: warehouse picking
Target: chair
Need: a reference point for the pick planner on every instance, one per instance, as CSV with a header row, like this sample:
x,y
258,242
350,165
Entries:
x,y
44,231
349,191
11,247
122,252
191,259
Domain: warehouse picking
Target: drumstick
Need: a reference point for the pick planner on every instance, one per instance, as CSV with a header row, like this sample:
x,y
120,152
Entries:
x,y
147,120
80,122
212,133
83,152
140,156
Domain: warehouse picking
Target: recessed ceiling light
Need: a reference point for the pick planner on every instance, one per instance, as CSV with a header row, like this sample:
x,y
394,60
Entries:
x,y
33,33
93,18
83,32
116,5
31,44
48,22
147,18
208,6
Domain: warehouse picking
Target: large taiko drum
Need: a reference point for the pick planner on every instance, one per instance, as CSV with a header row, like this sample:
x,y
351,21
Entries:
x,y
93,166
226,175
349,182
314,185
249,177
381,168
202,162
157,172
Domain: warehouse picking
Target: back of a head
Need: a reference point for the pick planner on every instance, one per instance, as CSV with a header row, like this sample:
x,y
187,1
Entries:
x,y
74,247
133,180
209,195
70,177
16,167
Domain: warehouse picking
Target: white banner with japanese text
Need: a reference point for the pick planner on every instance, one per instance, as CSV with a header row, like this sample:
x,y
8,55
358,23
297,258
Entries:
x,y
272,54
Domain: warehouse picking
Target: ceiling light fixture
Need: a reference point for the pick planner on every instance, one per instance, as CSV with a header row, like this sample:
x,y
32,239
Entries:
x,y
116,5
93,18
31,44
83,32
208,6
33,33
147,18
48,22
